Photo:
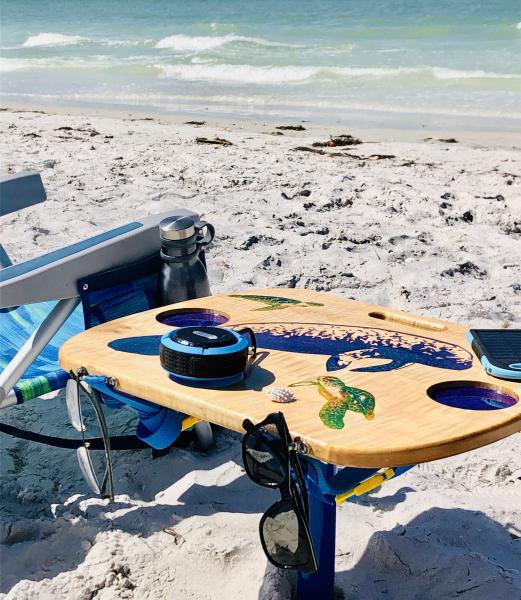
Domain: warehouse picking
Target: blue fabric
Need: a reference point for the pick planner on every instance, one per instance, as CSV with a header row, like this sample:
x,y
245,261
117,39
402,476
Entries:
x,y
41,261
158,426
125,290
119,301
44,374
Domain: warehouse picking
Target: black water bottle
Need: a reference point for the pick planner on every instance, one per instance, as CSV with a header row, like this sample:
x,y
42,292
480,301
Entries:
x,y
183,273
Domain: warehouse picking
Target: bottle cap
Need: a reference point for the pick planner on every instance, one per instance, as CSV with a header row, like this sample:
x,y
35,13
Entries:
x,y
177,228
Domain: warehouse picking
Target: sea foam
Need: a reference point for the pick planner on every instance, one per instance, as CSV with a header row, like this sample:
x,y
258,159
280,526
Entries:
x,y
253,74
53,39
237,73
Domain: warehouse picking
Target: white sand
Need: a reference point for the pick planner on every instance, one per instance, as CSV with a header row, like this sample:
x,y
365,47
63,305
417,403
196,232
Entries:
x,y
374,230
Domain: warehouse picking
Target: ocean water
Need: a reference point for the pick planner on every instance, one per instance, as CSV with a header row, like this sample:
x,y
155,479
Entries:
x,y
370,62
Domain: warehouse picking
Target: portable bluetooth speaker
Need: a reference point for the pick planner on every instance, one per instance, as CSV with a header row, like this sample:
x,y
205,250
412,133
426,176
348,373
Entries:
x,y
207,356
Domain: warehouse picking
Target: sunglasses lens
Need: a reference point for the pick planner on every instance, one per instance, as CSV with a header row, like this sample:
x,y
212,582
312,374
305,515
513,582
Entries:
x,y
262,463
284,537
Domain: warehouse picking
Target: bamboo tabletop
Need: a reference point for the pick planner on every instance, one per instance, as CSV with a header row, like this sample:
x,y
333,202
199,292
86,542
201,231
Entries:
x,y
370,383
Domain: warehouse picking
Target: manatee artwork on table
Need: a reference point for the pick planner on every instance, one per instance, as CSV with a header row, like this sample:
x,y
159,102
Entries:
x,y
351,347
357,348
275,302
340,398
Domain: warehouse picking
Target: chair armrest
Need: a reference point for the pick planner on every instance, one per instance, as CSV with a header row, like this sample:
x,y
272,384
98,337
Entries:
x,y
55,276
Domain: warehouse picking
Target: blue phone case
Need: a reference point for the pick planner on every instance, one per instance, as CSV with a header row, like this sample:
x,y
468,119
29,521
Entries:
x,y
499,351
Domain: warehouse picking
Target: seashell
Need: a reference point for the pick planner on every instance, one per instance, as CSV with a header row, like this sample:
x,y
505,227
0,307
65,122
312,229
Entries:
x,y
281,394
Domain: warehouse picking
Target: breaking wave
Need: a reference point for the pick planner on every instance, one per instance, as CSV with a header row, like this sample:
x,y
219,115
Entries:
x,y
61,39
53,39
292,74
187,43
442,73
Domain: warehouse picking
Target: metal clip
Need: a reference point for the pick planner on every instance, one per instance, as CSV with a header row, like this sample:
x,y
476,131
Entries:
x,y
112,382
300,447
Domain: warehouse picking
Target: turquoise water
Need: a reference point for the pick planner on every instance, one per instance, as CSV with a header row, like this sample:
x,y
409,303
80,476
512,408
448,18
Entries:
x,y
376,62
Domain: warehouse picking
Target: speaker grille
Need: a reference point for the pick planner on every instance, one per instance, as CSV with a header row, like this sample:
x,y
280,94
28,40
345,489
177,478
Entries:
x,y
203,367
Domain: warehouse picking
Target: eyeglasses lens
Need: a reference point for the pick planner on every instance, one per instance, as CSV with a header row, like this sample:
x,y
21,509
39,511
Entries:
x,y
87,469
263,464
72,400
93,463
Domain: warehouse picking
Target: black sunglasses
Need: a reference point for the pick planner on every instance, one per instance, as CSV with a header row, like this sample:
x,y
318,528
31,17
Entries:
x,y
270,459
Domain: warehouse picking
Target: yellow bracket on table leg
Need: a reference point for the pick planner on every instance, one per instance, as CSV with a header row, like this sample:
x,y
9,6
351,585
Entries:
x,y
366,486
189,422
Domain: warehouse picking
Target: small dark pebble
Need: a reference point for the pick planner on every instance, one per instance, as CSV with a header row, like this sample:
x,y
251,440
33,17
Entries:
x,y
32,135
195,122
499,198
445,205
305,193
468,216
308,205
447,196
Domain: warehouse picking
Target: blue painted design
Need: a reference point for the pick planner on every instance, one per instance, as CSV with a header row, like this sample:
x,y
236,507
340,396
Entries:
x,y
146,345
346,346
351,346
470,397
196,318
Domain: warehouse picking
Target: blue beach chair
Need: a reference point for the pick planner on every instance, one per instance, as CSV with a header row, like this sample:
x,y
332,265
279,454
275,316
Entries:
x,y
48,299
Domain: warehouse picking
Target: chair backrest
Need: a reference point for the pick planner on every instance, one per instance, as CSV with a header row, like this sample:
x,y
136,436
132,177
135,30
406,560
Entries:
x,y
55,275
20,190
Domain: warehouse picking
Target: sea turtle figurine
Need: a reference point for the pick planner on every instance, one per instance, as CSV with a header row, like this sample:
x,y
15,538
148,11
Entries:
x,y
275,302
340,398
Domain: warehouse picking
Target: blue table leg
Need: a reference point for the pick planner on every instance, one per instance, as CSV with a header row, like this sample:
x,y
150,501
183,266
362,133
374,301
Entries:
x,y
322,522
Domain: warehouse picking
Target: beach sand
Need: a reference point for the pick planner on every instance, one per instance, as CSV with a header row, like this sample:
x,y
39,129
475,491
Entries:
x,y
432,227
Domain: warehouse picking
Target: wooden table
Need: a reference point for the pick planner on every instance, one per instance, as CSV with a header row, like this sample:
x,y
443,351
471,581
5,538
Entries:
x,y
352,354
374,388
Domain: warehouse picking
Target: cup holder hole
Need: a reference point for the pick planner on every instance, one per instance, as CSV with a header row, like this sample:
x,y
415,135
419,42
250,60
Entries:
x,y
197,317
472,395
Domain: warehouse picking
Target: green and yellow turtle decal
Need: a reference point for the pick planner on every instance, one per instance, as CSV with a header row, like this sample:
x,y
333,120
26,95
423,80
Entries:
x,y
340,398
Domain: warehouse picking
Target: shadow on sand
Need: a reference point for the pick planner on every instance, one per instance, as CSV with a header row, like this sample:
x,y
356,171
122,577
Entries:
x,y
441,553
